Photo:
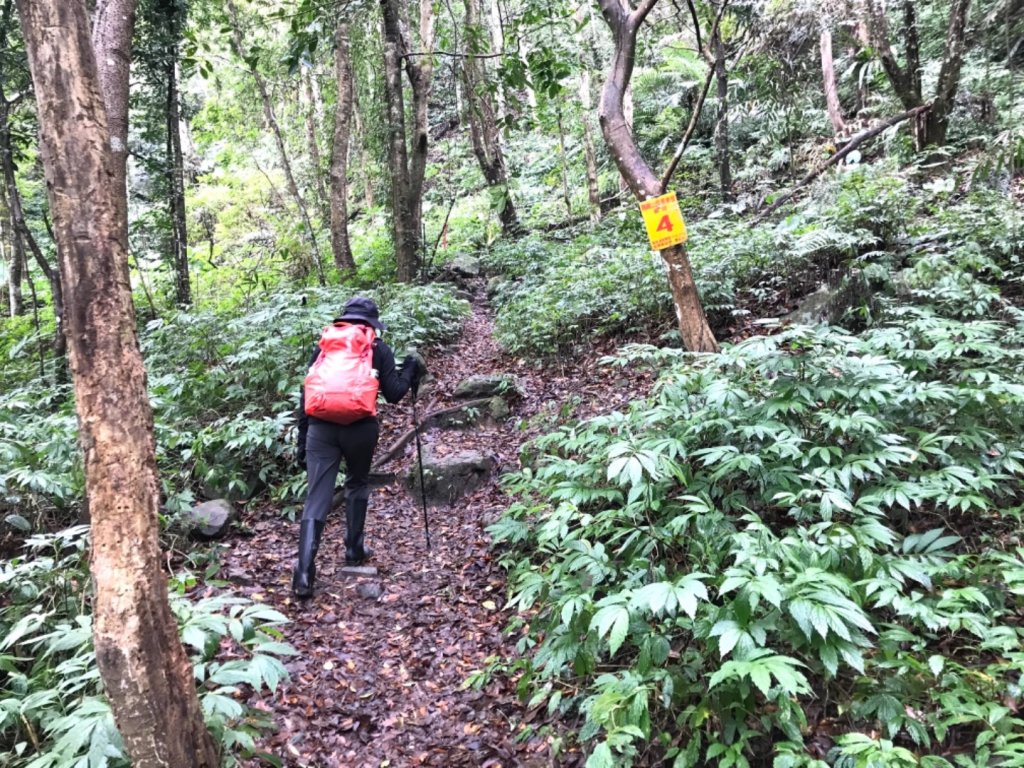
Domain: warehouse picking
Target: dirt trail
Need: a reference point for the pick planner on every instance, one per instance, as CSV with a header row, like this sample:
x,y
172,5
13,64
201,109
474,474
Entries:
x,y
379,679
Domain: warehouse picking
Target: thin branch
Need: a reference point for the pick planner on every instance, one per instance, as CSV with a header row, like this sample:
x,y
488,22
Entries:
x,y
854,142
696,23
395,448
690,130
637,17
699,106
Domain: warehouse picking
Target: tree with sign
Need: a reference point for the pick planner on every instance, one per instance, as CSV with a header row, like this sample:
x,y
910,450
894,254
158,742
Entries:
x,y
625,23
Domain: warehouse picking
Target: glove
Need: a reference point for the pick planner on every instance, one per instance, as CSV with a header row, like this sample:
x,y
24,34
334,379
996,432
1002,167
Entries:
x,y
410,369
300,458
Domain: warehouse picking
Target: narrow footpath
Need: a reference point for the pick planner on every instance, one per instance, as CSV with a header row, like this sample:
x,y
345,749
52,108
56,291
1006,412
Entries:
x,y
379,679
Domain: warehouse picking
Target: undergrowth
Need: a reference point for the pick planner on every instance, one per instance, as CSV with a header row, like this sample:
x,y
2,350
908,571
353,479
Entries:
x,y
53,713
224,388
811,539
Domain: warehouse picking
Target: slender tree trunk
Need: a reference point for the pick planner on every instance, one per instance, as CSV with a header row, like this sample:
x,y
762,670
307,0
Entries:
x,y
146,674
176,177
497,35
722,124
828,75
112,28
275,128
313,142
564,163
369,199
593,189
23,237
407,163
15,302
929,125
949,75
643,182
627,111
420,77
405,233
339,153
483,126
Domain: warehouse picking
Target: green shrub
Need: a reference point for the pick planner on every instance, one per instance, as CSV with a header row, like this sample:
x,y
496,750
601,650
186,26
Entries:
x,y
807,520
224,389
52,710
571,300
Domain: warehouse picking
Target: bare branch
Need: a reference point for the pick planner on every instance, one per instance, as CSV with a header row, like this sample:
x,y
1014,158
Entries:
x,y
854,142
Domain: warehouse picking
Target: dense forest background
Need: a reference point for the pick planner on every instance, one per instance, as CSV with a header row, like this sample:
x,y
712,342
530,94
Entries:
x,y
799,544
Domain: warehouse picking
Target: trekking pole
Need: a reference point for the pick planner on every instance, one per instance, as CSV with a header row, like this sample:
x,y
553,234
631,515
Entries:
x,y
419,457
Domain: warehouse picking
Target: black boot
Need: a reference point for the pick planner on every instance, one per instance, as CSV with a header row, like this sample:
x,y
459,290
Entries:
x,y
355,521
305,570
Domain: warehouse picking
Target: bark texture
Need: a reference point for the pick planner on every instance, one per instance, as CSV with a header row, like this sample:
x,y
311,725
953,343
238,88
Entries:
x,y
483,123
643,182
828,76
112,27
339,154
407,160
275,128
146,674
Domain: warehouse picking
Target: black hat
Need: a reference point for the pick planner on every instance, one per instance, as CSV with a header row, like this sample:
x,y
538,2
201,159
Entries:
x,y
362,310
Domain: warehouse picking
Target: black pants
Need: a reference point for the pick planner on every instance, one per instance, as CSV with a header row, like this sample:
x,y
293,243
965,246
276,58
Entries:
x,y
326,445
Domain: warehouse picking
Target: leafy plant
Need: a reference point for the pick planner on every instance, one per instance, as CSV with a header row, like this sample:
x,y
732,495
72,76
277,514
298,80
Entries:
x,y
52,709
807,516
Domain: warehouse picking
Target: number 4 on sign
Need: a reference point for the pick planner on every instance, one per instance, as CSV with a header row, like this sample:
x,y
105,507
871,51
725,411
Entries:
x,y
664,221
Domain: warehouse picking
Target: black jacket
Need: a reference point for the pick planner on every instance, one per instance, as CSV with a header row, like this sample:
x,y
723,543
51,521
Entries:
x,y
394,383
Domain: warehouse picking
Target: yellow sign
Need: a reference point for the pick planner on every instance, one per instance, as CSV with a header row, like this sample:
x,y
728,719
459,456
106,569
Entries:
x,y
664,221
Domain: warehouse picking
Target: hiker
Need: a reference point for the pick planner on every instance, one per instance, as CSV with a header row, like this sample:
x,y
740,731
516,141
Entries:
x,y
349,365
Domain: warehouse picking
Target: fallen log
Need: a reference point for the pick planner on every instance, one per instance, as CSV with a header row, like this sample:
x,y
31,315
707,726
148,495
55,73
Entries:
x,y
377,476
854,142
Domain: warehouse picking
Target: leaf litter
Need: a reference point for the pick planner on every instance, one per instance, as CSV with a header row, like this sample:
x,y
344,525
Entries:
x,y
380,675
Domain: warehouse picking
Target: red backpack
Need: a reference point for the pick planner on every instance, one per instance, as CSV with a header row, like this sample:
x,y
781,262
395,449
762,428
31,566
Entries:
x,y
341,385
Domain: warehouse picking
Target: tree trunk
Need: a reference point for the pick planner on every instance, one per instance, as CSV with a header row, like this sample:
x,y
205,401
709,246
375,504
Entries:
x,y
406,235
483,125
497,34
23,237
112,28
625,24
722,124
627,111
313,142
275,128
828,75
593,189
339,153
564,163
937,119
407,163
146,674
176,173
8,234
369,199
420,76
930,125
